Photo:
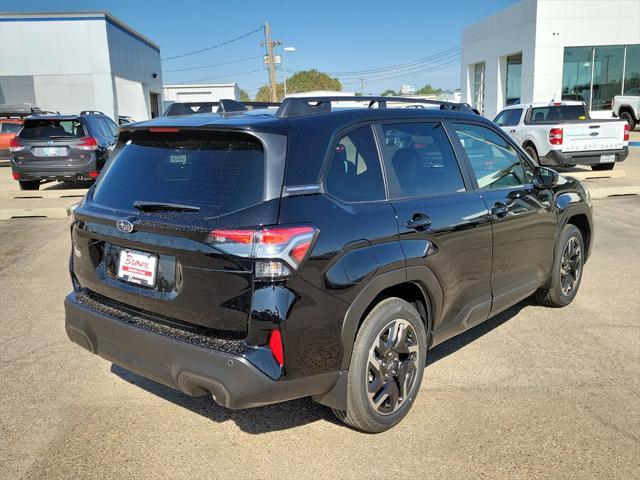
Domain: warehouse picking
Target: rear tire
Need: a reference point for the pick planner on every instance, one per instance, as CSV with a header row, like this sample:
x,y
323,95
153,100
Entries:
x,y
603,166
386,367
627,117
531,151
567,269
29,184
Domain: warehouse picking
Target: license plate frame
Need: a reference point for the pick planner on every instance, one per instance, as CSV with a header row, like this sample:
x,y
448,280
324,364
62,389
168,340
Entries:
x,y
139,268
607,158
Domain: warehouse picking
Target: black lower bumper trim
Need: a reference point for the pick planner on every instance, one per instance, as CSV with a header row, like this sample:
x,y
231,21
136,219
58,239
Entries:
x,y
232,380
556,157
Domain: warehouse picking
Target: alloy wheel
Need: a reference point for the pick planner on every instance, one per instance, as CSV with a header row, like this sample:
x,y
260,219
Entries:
x,y
392,366
570,266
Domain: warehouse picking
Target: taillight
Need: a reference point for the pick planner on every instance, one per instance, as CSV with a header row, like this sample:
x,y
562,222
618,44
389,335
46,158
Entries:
x,y
93,174
626,132
276,347
88,143
15,145
278,251
555,136
16,175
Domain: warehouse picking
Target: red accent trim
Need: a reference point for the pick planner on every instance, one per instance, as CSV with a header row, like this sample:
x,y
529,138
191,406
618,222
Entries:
x,y
276,347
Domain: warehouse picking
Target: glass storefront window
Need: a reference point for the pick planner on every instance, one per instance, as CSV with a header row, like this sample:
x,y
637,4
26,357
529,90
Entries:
x,y
576,74
607,76
632,68
478,86
514,79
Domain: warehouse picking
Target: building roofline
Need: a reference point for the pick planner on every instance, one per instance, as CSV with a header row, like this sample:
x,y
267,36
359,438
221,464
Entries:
x,y
199,85
77,15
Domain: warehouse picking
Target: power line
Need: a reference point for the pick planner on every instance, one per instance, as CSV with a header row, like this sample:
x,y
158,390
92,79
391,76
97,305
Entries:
x,y
200,67
432,68
216,45
227,75
435,56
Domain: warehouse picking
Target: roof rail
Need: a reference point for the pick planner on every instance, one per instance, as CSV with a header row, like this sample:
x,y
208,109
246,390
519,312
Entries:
x,y
91,112
190,108
296,106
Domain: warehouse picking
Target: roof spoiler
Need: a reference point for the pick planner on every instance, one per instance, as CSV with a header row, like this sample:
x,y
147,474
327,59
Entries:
x,y
296,106
221,106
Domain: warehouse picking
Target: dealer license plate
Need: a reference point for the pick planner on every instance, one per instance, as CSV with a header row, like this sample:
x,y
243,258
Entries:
x,y
607,158
50,151
137,267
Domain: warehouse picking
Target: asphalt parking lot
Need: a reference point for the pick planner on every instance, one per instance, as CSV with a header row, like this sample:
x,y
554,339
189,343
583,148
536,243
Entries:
x,y
533,393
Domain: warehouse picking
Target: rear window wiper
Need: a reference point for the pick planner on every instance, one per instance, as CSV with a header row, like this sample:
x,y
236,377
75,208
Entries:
x,y
164,207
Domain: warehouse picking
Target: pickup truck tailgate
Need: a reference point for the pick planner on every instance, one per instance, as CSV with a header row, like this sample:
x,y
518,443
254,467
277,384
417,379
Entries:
x,y
580,137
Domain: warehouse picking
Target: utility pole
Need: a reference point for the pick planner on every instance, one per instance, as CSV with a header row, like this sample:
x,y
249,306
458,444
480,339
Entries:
x,y
271,61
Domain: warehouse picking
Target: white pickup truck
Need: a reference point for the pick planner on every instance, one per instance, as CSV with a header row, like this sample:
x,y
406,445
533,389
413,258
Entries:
x,y
562,134
627,107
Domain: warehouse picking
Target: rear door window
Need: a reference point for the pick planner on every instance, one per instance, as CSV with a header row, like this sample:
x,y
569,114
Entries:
x,y
509,118
218,172
354,173
44,129
419,160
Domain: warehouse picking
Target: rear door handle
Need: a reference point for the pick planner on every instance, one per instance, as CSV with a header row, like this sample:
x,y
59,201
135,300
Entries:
x,y
499,210
419,221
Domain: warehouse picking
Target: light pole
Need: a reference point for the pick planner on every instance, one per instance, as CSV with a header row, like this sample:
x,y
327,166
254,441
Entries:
x,y
284,66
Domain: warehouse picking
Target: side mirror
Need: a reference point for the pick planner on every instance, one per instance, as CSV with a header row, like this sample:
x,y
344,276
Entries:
x,y
544,177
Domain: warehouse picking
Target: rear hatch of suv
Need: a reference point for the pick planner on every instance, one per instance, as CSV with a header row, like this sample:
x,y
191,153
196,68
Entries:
x,y
161,231
53,142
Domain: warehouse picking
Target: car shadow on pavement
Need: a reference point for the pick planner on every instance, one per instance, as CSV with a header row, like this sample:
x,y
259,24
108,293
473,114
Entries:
x,y
295,413
462,340
281,416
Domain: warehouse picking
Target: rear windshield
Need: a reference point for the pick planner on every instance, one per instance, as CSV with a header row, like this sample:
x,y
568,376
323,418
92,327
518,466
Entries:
x,y
46,129
217,172
6,127
558,113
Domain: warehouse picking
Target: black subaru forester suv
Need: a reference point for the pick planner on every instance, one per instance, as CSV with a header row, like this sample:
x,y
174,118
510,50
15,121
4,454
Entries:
x,y
261,256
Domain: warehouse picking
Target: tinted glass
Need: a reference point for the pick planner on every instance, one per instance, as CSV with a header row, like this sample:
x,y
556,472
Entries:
x,y
607,76
9,127
50,128
219,173
509,118
495,163
576,73
632,69
113,128
355,174
419,160
557,114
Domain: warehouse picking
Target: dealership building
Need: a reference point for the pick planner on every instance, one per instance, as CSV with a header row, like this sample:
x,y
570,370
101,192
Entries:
x,y
69,62
202,92
543,50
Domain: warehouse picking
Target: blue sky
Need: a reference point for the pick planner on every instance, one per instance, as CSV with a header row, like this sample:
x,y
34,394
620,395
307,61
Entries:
x,y
338,37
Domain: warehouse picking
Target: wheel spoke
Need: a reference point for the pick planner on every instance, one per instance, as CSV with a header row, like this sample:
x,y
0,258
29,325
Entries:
x,y
389,392
406,374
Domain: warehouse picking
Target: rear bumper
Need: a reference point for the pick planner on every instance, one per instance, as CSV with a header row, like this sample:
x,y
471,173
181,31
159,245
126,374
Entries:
x,y
33,171
232,380
556,157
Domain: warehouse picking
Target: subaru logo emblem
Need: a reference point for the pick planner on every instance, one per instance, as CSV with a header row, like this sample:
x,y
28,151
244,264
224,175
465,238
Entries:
x,y
125,226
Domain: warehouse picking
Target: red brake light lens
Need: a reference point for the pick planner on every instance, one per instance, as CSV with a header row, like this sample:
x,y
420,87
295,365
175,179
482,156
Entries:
x,y
555,136
16,145
278,251
276,347
16,175
93,174
626,132
164,129
88,143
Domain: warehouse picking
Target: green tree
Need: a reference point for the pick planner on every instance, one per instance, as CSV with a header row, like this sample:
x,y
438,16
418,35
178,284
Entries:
x,y
244,96
428,90
389,93
264,95
308,80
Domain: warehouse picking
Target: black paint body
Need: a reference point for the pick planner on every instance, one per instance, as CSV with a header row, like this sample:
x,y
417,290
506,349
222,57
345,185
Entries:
x,y
468,264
